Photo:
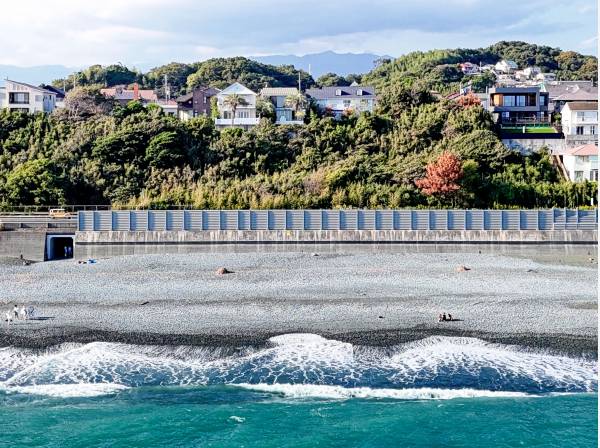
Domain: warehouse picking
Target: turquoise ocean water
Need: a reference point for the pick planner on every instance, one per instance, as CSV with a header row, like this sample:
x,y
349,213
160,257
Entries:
x,y
299,391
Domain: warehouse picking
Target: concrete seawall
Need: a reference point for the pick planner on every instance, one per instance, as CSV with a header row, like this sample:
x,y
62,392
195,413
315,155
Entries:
x,y
207,237
31,244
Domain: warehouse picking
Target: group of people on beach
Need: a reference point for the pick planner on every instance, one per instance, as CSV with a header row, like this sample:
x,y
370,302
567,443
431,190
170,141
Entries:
x,y
444,318
23,313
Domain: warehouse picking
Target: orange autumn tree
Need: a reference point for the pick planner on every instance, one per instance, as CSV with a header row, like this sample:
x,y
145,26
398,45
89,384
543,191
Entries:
x,y
468,100
442,176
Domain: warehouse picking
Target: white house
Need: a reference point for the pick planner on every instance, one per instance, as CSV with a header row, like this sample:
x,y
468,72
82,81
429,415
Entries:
x,y
245,115
545,77
581,163
506,66
468,68
580,122
340,100
24,97
284,112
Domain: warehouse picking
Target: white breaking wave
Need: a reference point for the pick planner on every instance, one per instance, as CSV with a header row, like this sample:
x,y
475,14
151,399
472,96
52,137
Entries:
x,y
339,392
442,363
69,390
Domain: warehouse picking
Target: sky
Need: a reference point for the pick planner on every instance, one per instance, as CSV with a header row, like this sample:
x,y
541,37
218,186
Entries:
x,y
143,33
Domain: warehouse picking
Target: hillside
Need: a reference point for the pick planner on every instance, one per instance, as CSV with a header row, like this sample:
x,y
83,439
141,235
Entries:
x,y
217,72
438,69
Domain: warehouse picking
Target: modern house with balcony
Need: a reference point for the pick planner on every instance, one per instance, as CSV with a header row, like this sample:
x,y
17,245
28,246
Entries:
x,y
23,97
518,106
581,163
195,103
580,123
285,112
340,100
244,115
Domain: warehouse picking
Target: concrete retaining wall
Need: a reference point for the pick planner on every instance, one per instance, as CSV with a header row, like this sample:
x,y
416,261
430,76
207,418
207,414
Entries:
x,y
30,244
336,236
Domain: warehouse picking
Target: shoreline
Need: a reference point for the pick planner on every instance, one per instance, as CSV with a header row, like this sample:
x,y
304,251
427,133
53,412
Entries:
x,y
560,344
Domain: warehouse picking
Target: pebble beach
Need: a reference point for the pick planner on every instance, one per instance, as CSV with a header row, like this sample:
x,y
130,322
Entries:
x,y
363,296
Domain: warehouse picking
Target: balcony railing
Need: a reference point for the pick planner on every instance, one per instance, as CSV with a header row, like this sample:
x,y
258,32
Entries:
x,y
237,121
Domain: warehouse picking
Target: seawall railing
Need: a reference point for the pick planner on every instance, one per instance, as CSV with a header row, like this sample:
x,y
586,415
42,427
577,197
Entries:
x,y
201,220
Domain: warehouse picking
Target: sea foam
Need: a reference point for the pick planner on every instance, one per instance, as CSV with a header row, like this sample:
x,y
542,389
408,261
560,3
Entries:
x,y
302,364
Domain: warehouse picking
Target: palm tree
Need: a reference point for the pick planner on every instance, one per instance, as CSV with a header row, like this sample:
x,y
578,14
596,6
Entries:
x,y
234,101
295,101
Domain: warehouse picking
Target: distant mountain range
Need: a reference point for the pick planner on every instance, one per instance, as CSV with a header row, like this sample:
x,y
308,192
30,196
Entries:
x,y
326,62
318,63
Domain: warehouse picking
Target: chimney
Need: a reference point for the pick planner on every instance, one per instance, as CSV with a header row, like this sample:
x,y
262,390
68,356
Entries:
x,y
136,92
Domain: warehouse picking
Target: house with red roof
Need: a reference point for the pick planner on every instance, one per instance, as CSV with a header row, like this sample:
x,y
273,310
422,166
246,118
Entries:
x,y
581,162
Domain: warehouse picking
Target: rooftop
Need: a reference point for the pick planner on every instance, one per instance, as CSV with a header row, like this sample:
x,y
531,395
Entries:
x,y
345,92
279,91
582,105
584,150
31,86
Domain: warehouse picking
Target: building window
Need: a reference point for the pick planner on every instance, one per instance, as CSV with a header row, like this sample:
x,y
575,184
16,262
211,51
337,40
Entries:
x,y
594,175
542,100
18,98
338,92
509,101
580,116
593,130
520,100
347,104
578,176
359,92
579,130
204,99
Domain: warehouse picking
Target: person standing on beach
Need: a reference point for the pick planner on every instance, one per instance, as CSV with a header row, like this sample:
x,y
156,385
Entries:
x,y
16,311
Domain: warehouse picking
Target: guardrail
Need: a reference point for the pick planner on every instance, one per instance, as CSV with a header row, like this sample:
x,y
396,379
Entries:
x,y
199,220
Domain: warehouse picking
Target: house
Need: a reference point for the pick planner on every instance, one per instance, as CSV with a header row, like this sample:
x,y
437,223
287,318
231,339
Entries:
x,y
518,105
340,100
20,96
581,163
169,107
195,103
528,73
563,92
60,95
244,115
285,113
468,68
580,122
545,77
123,96
506,66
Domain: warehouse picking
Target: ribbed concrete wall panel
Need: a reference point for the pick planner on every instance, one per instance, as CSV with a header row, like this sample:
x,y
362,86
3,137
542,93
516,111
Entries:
x,y
175,219
331,219
348,219
312,219
85,221
211,220
510,220
259,220
475,219
103,220
403,220
366,219
457,220
157,220
420,220
277,219
244,220
438,219
294,219
384,219
120,220
193,220
493,220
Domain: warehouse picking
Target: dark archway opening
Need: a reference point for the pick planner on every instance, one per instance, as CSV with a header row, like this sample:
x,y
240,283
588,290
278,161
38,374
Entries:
x,y
60,248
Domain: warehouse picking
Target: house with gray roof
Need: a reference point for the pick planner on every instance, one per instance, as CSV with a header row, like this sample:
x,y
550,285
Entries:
x,y
23,97
340,100
289,104
562,92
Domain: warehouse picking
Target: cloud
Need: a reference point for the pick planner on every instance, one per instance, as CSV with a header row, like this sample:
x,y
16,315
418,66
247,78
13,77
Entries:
x,y
158,31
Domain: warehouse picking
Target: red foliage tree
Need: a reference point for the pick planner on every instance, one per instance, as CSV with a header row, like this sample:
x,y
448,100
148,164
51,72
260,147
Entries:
x,y
442,175
468,100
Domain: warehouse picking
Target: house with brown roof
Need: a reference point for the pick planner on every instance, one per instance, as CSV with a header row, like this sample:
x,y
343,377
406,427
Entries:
x,y
195,103
580,122
123,95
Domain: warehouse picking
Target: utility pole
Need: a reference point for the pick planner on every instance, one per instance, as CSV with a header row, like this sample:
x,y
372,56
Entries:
x,y
299,82
167,90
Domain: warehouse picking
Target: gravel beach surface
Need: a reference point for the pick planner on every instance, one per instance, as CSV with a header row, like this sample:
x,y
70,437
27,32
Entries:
x,y
362,296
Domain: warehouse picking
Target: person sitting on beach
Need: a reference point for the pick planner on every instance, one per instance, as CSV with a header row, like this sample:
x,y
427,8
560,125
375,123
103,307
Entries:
x,y
444,317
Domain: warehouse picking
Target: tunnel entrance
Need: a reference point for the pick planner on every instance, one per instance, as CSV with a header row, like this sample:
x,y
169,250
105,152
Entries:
x,y
59,247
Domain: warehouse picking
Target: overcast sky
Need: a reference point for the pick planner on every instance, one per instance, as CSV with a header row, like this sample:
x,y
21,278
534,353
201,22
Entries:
x,y
145,32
